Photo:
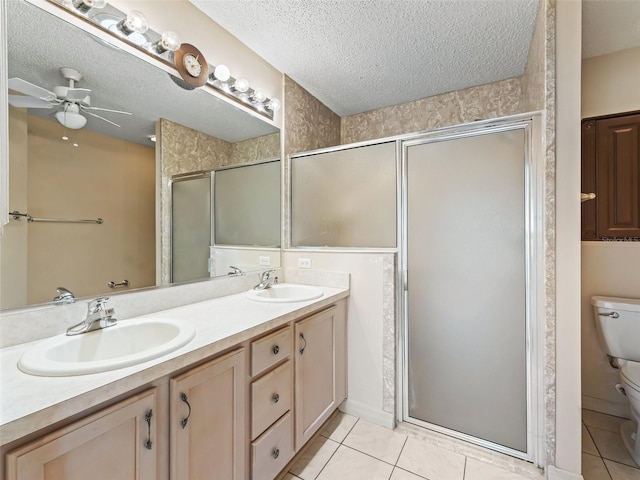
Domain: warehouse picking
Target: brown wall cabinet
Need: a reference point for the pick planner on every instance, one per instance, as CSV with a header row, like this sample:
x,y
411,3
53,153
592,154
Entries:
x,y
611,169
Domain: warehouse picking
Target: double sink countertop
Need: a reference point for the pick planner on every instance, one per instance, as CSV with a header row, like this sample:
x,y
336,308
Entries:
x,y
29,403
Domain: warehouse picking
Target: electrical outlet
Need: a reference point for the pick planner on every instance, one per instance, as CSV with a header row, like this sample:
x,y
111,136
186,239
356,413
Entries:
x,y
304,263
264,261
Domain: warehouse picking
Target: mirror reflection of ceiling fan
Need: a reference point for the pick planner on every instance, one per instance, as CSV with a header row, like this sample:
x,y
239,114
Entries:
x,y
70,101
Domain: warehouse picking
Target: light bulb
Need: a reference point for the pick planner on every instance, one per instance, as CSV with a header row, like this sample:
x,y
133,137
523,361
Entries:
x,y
84,6
274,105
241,85
222,73
258,96
168,42
135,22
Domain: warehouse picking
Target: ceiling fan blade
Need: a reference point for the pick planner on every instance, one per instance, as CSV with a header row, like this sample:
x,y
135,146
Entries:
x,y
102,118
24,101
28,88
77,93
84,107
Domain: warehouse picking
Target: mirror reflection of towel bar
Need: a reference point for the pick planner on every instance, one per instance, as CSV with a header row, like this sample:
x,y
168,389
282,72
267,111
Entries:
x,y
124,283
16,216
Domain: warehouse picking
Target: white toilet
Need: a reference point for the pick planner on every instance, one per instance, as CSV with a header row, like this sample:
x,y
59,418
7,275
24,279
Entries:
x,y
618,324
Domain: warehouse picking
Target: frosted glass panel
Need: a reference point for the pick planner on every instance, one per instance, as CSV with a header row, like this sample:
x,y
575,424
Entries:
x,y
247,205
190,229
345,198
466,286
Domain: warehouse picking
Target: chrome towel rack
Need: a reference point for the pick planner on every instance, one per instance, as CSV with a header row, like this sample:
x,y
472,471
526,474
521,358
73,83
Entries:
x,y
16,216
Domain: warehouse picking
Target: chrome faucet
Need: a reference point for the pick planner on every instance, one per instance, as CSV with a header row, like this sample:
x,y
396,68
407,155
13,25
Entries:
x,y
235,270
97,317
266,280
64,296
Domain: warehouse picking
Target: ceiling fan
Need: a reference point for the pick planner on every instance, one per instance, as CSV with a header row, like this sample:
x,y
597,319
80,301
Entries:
x,y
70,101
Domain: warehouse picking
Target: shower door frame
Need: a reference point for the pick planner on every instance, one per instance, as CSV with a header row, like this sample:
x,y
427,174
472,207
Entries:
x,y
534,277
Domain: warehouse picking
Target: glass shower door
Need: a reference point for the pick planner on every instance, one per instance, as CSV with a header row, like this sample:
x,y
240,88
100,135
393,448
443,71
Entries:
x,y
466,354
191,227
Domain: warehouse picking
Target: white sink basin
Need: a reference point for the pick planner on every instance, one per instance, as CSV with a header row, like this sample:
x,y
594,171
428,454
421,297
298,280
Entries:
x,y
128,343
285,292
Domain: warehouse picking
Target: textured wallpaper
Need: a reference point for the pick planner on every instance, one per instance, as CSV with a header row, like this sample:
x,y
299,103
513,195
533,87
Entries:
x,y
183,150
477,103
308,123
255,149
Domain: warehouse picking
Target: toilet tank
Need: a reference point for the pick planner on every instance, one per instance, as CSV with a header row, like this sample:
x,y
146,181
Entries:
x,y
618,325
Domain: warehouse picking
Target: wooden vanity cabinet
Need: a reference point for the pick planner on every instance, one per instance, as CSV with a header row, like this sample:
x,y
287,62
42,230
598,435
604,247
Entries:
x,y
117,442
272,444
243,414
320,369
207,420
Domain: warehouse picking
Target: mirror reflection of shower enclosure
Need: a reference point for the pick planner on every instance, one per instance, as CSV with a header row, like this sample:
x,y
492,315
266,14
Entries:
x,y
191,226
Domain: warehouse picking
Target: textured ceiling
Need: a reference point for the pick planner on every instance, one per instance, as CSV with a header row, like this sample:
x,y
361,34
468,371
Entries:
x,y
39,44
609,26
358,55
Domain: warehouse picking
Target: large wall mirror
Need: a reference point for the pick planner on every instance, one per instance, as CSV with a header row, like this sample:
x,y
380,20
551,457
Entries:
x,y
108,172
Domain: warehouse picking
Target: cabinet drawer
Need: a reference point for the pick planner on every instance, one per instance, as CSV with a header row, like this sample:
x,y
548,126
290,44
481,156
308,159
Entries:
x,y
273,450
270,350
270,398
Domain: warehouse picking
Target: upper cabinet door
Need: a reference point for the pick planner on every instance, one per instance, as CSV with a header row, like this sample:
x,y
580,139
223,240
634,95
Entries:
x,y
117,442
611,169
208,420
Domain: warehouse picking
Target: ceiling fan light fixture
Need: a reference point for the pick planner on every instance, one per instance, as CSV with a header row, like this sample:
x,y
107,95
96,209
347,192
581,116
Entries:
x,y
71,119
83,6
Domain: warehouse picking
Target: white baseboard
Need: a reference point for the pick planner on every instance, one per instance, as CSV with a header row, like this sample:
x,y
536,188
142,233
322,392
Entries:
x,y
554,473
368,413
606,406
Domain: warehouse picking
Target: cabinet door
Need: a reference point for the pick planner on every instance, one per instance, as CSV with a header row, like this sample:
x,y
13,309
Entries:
x,y
315,373
611,169
118,442
208,420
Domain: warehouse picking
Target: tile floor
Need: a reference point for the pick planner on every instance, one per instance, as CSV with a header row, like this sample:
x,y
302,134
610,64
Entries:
x,y
349,448
603,454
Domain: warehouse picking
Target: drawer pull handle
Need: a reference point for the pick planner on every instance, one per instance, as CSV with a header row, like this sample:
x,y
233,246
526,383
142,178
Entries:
x,y
276,349
275,453
276,398
185,399
147,418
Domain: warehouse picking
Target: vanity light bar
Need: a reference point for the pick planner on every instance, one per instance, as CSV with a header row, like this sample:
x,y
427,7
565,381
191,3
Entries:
x,y
161,46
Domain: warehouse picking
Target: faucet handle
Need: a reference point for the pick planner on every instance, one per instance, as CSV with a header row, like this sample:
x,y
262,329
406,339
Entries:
x,y
266,275
97,304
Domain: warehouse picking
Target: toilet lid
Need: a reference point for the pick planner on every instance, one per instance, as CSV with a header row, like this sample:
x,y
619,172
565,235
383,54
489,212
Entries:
x,y
631,372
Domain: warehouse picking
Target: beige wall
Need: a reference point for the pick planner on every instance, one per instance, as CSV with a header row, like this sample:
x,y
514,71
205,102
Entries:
x,y
610,83
14,240
102,178
609,269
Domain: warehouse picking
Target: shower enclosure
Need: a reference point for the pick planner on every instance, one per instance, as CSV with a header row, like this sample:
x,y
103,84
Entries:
x,y
468,285
468,232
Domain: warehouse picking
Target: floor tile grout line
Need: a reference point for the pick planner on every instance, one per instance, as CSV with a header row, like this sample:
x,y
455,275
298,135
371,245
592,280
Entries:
x,y
406,439
328,460
367,454
408,471
593,440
